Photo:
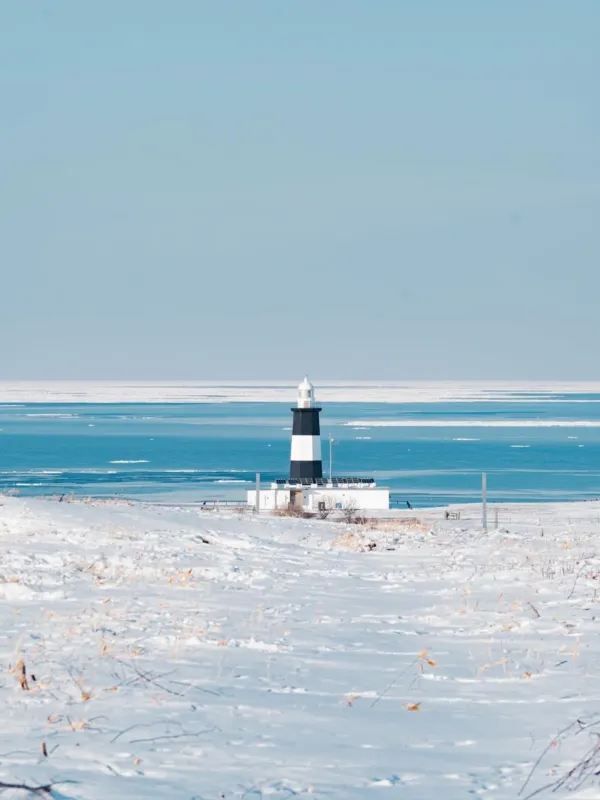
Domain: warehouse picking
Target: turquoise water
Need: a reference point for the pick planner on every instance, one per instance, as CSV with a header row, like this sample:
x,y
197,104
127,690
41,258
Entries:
x,y
193,452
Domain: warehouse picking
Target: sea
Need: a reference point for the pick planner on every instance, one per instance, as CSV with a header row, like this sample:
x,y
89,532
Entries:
x,y
429,453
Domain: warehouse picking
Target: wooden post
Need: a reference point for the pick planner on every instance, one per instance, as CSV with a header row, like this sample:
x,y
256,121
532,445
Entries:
x,y
257,503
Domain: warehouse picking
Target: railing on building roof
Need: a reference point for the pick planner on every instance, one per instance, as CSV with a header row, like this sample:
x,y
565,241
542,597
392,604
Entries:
x,y
323,482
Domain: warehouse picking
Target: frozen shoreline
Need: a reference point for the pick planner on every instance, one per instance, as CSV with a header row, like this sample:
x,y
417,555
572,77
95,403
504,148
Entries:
x,y
182,653
281,391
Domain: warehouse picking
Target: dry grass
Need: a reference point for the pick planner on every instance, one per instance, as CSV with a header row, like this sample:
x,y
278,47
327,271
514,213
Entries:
x,y
292,511
20,671
353,541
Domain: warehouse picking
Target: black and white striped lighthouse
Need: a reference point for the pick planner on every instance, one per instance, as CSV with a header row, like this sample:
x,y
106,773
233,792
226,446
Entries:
x,y
305,460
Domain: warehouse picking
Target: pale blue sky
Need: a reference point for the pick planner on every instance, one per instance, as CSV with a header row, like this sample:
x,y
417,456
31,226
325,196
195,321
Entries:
x,y
261,189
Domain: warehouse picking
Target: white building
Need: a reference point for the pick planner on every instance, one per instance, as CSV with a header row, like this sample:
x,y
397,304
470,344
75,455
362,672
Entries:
x,y
342,493
305,489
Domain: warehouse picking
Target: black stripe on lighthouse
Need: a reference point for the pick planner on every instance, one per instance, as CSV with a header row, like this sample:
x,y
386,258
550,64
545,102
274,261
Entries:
x,y
306,470
306,422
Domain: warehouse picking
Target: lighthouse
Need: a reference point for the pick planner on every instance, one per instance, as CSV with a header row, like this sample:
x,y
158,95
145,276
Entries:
x,y
305,458
305,490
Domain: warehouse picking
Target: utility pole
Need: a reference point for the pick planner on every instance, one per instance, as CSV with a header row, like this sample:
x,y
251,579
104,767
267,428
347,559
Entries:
x,y
484,524
331,441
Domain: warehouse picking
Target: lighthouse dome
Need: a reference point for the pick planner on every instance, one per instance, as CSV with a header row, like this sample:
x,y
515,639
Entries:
x,y
306,394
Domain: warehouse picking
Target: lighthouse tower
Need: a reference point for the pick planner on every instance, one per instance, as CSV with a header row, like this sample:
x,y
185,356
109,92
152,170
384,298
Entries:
x,y
305,461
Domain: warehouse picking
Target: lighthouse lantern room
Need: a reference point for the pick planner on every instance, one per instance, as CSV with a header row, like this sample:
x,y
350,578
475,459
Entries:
x,y
305,489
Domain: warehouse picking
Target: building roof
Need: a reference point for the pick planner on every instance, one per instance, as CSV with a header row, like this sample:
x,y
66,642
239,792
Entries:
x,y
324,482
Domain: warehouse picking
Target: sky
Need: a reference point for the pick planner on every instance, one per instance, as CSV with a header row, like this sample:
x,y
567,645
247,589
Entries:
x,y
258,189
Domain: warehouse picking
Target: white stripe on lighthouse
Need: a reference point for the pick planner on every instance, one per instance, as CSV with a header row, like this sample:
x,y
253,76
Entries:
x,y
306,448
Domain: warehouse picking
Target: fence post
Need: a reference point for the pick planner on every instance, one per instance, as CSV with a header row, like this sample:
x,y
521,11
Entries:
x,y
484,501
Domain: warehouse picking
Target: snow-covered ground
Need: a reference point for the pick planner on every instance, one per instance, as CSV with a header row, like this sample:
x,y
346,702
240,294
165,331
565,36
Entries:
x,y
163,652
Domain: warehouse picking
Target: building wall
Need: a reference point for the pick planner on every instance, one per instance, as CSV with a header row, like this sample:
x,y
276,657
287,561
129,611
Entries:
x,y
362,499
270,499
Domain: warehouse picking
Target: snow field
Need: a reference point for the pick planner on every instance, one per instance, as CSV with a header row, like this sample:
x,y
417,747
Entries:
x,y
167,652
